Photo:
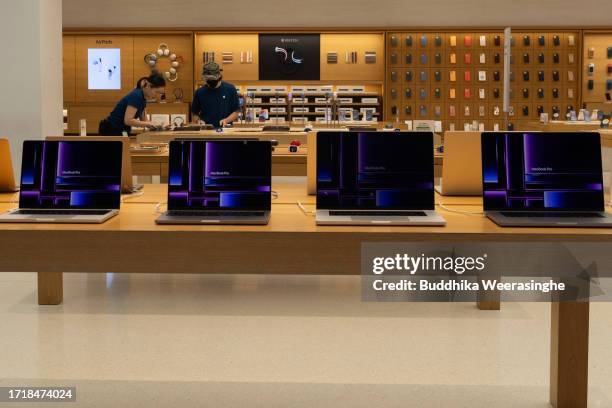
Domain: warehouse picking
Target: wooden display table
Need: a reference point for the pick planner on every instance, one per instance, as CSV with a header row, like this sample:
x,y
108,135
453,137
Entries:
x,y
291,244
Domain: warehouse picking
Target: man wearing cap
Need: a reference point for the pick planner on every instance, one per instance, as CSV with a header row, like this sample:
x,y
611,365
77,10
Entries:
x,y
216,103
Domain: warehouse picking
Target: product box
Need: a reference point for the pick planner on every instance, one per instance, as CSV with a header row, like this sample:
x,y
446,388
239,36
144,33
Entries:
x,y
369,100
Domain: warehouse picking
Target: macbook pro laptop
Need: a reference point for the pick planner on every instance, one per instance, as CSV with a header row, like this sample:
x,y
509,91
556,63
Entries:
x,y
376,178
219,182
543,179
461,168
68,182
7,179
127,179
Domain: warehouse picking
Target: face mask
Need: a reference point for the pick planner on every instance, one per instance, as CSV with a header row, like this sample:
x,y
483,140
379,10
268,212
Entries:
x,y
212,83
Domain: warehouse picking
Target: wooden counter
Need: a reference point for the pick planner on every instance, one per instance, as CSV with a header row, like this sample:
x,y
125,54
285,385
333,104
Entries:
x,y
291,244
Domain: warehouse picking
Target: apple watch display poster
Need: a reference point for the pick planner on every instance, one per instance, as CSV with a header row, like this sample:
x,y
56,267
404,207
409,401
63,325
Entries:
x,y
104,69
289,57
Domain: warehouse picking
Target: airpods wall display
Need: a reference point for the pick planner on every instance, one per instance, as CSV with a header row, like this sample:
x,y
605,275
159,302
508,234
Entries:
x,y
164,52
104,69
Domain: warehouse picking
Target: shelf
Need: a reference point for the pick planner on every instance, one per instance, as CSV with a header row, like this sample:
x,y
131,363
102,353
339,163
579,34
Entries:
x,y
340,94
311,104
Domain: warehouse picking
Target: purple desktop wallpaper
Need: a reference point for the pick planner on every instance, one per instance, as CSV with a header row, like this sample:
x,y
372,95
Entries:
x,y
79,175
370,170
538,171
230,175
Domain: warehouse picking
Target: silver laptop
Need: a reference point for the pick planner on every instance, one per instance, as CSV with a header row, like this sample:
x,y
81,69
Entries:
x,y
461,168
370,178
68,182
543,179
219,182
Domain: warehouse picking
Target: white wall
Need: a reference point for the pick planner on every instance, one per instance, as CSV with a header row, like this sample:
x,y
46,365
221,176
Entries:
x,y
237,14
31,75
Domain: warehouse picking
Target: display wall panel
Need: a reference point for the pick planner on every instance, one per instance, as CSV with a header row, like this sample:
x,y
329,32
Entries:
x,y
472,62
125,43
595,51
231,43
351,42
179,44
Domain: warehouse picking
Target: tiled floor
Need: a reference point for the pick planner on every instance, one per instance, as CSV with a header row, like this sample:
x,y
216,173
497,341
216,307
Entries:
x,y
278,341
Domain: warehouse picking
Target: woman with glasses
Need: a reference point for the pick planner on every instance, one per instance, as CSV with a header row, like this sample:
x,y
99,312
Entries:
x,y
131,109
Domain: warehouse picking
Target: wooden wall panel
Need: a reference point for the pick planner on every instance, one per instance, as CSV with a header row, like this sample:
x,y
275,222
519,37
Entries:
x,y
69,68
179,44
231,42
599,42
419,63
123,42
342,43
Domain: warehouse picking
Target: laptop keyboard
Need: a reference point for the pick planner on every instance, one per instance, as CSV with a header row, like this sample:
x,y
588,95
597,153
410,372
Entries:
x,y
62,212
216,213
552,214
378,213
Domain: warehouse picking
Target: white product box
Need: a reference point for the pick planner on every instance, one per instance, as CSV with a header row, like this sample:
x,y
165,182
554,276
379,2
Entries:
x,y
369,100
364,110
159,119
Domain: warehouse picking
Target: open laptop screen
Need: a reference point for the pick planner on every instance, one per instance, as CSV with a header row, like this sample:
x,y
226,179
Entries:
x,y
220,175
375,170
71,175
542,171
